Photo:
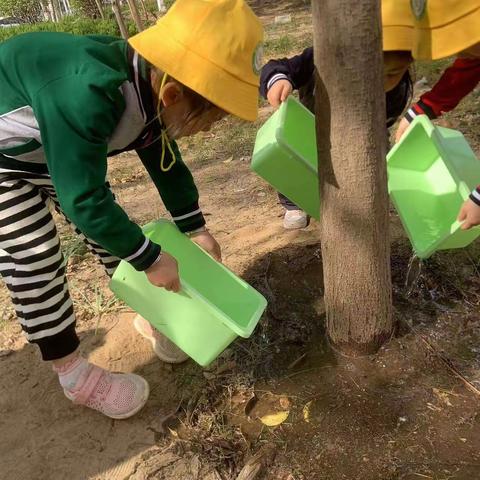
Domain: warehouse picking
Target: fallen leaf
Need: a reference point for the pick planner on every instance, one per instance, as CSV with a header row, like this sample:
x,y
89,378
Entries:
x,y
306,411
274,419
443,397
285,403
228,160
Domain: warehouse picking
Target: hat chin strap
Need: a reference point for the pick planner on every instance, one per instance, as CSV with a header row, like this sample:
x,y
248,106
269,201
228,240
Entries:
x,y
164,135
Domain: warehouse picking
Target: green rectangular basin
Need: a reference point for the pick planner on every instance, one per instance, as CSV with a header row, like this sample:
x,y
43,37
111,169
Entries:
x,y
431,172
285,155
213,308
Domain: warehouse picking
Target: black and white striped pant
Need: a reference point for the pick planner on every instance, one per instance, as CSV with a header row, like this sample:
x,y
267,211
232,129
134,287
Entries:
x,y
32,264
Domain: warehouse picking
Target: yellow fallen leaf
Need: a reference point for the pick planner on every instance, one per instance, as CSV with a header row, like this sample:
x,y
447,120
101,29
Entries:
x,y
274,419
306,411
285,402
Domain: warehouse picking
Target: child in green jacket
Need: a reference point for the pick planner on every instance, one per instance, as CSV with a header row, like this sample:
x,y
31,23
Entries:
x,y
69,102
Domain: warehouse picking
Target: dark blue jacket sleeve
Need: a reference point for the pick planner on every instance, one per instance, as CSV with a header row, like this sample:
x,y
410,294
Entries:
x,y
297,70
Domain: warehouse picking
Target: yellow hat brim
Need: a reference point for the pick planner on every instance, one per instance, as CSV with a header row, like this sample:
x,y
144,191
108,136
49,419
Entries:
x,y
449,39
398,37
220,87
397,25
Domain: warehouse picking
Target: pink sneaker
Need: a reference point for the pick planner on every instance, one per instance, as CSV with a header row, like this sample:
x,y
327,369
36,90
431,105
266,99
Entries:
x,y
116,395
166,350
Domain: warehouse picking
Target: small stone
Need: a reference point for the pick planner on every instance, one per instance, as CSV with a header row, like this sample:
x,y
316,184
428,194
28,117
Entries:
x,y
283,19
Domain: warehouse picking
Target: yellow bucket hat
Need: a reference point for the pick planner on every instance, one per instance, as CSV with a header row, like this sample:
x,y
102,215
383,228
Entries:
x,y
444,27
397,23
213,47
430,29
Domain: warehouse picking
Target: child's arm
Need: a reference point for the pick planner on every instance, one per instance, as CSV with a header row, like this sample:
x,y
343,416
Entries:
x,y
456,83
297,71
179,194
76,116
470,211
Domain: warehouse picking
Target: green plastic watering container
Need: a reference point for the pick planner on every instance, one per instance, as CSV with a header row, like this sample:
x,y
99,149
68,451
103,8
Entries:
x,y
285,155
212,309
431,172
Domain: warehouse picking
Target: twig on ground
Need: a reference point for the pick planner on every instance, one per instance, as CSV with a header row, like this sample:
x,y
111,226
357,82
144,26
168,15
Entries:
x,y
257,464
447,362
297,361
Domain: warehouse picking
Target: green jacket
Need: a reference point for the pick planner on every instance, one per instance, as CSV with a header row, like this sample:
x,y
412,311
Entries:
x,y
67,102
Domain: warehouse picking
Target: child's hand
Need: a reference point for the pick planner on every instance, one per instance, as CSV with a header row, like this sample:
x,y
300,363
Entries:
x,y
208,243
279,92
164,273
469,215
402,126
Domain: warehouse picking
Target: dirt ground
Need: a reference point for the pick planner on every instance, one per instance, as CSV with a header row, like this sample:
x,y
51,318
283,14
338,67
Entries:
x,y
411,412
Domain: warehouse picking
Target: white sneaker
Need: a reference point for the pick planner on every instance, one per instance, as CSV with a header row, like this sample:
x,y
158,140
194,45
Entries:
x,y
165,349
295,219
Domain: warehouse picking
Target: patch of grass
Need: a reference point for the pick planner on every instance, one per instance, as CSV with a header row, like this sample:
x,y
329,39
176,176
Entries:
x,y
431,70
229,138
4,316
287,45
279,46
73,246
96,303
7,312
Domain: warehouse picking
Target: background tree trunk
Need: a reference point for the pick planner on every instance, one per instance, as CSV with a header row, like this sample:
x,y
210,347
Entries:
x,y
351,142
119,17
53,9
135,15
100,9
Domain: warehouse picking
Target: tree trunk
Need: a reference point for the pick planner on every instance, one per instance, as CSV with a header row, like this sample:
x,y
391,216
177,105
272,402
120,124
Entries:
x,y
46,14
119,17
351,142
53,9
144,8
135,15
66,7
100,9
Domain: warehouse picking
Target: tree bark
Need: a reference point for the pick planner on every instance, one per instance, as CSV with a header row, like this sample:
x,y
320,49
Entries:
x,y
144,8
100,9
135,15
119,17
54,10
351,142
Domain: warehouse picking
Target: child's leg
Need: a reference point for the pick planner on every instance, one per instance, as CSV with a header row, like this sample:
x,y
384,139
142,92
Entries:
x,y
294,218
286,203
32,266
35,273
166,350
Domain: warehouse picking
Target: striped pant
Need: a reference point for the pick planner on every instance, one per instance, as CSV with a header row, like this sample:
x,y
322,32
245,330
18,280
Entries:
x,y
32,264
